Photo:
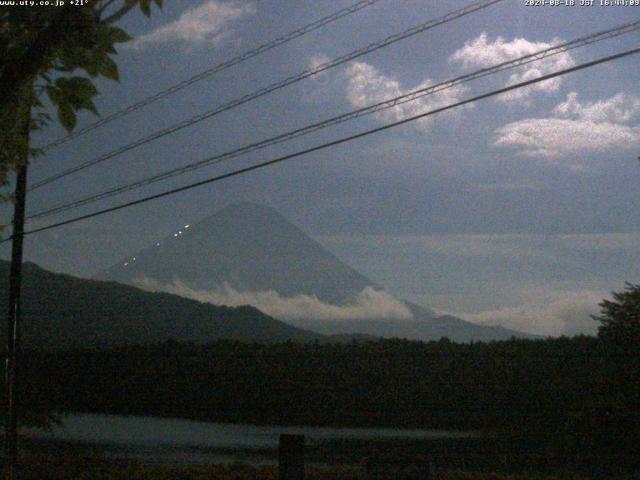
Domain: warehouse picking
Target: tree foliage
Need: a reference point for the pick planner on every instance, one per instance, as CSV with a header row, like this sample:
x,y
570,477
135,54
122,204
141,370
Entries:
x,y
554,396
620,318
54,52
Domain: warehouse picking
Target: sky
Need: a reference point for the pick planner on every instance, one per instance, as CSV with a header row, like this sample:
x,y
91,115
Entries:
x,y
521,210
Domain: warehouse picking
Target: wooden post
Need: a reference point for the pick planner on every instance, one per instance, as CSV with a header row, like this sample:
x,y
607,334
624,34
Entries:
x,y
291,457
13,318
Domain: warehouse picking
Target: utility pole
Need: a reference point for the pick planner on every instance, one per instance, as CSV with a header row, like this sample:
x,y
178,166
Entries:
x,y
13,314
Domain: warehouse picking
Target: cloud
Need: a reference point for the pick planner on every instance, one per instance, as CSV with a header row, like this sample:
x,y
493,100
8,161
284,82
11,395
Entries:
x,y
567,313
370,303
315,62
601,243
551,137
618,109
575,128
466,246
208,23
367,86
319,86
512,186
481,53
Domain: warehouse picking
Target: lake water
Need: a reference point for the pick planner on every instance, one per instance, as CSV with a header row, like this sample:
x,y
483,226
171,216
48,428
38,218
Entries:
x,y
154,440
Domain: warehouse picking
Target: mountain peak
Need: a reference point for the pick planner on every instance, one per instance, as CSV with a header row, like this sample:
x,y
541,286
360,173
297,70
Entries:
x,y
248,218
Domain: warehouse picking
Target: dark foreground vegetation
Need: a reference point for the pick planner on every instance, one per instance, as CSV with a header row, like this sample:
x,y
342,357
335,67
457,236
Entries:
x,y
549,406
75,468
564,402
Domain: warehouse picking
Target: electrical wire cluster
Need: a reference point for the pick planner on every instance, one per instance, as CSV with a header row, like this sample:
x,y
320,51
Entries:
x,y
311,128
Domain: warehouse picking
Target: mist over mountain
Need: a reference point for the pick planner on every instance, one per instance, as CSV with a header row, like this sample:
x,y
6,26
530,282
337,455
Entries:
x,y
250,254
61,312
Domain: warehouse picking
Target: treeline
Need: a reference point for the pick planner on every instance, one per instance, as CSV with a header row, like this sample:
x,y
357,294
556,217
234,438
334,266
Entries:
x,y
575,394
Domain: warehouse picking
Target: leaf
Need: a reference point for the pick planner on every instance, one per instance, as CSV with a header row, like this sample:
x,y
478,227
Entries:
x,y
77,91
68,59
103,39
89,105
145,6
53,93
159,3
93,67
117,35
67,116
109,69
70,95
80,57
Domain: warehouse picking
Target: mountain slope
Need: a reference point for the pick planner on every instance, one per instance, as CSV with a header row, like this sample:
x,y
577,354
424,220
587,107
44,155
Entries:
x,y
248,247
61,311
250,254
423,327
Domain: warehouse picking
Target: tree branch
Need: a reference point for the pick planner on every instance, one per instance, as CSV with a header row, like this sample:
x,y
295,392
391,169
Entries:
x,y
126,8
103,7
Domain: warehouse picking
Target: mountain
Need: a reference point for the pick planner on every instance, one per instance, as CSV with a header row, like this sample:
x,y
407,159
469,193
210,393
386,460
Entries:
x,y
61,311
250,254
248,247
423,326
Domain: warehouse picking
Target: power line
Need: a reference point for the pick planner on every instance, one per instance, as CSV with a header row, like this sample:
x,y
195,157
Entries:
x,y
603,35
333,143
391,103
449,17
216,69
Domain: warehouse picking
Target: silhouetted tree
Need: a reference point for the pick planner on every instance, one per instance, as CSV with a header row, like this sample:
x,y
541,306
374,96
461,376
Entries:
x,y
54,54
42,50
620,319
